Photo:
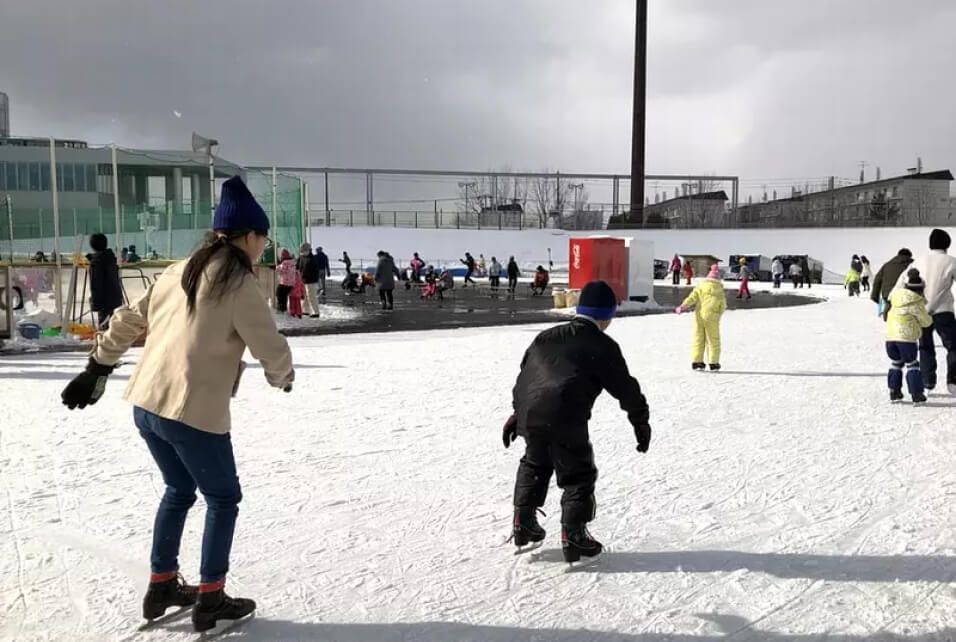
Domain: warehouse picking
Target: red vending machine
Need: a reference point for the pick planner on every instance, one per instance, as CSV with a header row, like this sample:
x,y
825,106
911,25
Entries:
x,y
598,257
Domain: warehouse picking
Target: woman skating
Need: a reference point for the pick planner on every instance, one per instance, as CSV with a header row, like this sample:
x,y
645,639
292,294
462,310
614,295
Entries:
x,y
199,316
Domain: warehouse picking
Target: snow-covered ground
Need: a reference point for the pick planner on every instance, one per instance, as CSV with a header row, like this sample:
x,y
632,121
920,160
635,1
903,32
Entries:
x,y
782,499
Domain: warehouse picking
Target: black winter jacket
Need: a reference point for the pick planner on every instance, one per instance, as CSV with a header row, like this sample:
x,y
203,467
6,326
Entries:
x,y
562,374
322,260
885,280
513,271
308,267
106,293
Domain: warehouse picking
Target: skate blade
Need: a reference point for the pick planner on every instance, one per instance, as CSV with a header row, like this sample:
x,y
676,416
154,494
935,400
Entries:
x,y
533,546
165,618
584,563
224,627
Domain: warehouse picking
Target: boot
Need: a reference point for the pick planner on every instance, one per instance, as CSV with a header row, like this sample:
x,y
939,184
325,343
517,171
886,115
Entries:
x,y
526,528
896,396
918,398
162,595
715,366
213,606
576,542
698,366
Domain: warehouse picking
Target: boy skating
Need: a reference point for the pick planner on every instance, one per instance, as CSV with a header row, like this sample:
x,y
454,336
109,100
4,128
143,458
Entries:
x,y
562,373
906,319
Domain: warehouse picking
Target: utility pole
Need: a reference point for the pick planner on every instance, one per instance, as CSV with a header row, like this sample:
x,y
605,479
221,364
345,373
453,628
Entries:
x,y
577,187
863,165
636,210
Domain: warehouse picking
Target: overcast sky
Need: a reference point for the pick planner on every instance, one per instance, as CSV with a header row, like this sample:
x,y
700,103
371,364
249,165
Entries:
x,y
759,88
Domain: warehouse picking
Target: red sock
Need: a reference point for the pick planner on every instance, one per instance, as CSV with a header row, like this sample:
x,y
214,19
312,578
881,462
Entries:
x,y
162,577
210,587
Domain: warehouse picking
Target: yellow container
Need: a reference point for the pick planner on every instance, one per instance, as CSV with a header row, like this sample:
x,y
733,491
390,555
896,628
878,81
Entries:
x,y
560,299
571,298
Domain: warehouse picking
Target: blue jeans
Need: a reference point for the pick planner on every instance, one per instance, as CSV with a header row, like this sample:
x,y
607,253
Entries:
x,y
944,324
902,355
187,458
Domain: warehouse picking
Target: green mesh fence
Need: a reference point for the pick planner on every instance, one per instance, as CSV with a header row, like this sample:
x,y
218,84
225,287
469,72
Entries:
x,y
160,229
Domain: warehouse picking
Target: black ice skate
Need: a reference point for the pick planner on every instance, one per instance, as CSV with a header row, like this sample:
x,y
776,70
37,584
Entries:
x,y
919,399
698,366
714,367
576,542
896,396
215,609
526,529
161,596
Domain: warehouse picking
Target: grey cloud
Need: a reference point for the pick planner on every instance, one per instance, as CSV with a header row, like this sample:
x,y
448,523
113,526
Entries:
x,y
816,85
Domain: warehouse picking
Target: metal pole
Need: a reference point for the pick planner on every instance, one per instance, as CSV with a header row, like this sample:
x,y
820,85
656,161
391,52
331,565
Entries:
x,y
116,199
616,197
636,213
212,182
9,202
328,213
169,230
57,285
275,216
304,211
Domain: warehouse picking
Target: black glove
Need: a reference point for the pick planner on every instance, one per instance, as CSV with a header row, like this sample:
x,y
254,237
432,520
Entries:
x,y
510,432
87,387
643,434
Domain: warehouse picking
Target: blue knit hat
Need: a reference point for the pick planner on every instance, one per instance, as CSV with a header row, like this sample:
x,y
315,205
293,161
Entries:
x,y
238,209
597,301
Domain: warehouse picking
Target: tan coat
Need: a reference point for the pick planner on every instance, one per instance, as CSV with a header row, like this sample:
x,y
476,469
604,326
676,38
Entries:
x,y
191,363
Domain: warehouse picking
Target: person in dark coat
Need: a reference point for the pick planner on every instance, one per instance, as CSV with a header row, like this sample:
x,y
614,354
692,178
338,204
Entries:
x,y
807,274
561,376
385,275
886,278
325,271
132,256
513,274
856,263
308,268
469,263
106,292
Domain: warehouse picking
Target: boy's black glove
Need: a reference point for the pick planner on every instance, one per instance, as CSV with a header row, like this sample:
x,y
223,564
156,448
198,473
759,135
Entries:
x,y
87,387
510,431
643,434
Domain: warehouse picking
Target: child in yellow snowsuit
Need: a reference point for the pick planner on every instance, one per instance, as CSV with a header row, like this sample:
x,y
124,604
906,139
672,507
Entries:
x,y
709,301
852,282
904,326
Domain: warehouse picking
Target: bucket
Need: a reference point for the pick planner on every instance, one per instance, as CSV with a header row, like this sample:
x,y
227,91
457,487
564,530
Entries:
x,y
560,299
29,331
571,298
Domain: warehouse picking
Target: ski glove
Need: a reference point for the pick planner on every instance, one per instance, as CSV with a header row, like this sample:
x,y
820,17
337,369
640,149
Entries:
x,y
643,434
87,387
510,431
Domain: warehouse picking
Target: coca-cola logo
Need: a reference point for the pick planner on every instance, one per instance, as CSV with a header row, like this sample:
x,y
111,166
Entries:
x,y
576,255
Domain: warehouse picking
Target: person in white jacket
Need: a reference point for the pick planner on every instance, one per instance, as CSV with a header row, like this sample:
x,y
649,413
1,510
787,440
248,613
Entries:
x,y
939,271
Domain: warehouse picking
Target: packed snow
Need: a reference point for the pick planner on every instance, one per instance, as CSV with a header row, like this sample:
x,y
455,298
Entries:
x,y
782,499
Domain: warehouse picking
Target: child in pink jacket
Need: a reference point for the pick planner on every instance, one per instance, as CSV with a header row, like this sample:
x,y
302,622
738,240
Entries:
x,y
285,273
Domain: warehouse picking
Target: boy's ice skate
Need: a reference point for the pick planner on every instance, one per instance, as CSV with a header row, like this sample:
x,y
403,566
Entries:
x,y
698,366
918,398
896,396
215,611
576,542
526,529
714,367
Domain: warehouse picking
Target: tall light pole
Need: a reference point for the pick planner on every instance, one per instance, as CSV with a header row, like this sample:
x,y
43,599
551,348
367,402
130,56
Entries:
x,y
577,187
636,210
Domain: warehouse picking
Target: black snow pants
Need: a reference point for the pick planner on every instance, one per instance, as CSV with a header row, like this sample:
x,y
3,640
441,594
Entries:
x,y
576,473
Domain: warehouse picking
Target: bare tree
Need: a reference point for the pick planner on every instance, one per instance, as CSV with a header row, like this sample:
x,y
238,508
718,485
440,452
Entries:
x,y
486,192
